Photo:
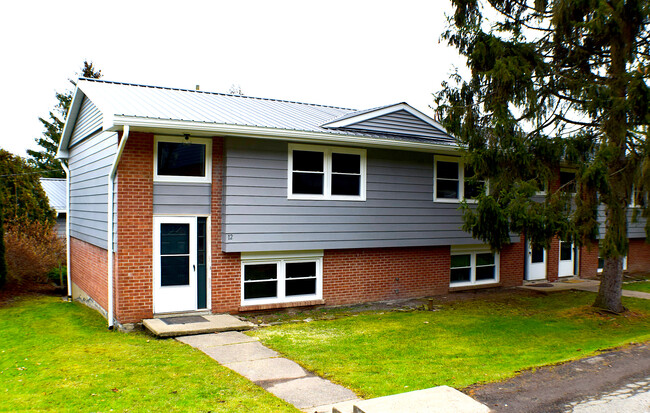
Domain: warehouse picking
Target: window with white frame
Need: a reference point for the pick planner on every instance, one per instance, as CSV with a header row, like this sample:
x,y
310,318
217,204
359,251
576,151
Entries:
x,y
454,181
270,278
322,172
473,267
182,159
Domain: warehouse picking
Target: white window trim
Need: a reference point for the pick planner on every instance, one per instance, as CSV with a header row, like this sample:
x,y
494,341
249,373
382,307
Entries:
x,y
185,179
280,259
327,173
473,250
461,179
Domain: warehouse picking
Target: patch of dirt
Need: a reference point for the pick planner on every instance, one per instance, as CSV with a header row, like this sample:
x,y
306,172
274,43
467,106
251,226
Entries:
x,y
12,292
278,316
553,388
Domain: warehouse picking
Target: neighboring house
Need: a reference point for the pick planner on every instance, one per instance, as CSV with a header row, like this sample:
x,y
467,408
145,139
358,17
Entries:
x,y
55,189
184,200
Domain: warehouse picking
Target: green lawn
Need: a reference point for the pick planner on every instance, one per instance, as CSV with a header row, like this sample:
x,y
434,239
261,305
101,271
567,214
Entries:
x,y
57,356
463,343
643,286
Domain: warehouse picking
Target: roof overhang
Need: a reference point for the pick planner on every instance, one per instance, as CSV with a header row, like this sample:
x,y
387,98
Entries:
x,y
212,129
75,105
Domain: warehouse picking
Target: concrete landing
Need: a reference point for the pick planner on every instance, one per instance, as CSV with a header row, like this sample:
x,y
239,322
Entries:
x,y
576,284
263,366
174,326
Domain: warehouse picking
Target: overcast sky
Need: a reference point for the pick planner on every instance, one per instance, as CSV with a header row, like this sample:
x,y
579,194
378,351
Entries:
x,y
356,54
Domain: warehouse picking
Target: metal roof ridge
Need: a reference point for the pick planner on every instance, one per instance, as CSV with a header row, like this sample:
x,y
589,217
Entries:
x,y
213,93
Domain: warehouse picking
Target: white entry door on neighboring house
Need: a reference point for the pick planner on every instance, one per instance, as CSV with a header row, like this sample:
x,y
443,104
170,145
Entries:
x,y
535,263
175,264
566,266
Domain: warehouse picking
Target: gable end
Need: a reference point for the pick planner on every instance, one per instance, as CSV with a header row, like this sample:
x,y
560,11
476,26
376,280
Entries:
x,y
89,120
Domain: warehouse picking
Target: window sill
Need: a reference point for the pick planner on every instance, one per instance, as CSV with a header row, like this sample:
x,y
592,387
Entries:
x,y
259,307
465,287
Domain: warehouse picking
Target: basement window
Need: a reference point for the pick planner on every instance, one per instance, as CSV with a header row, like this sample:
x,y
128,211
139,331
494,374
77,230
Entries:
x,y
271,278
471,266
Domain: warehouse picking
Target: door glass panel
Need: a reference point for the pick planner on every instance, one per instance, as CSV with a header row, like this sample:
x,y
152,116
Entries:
x,y
537,255
566,251
174,270
174,239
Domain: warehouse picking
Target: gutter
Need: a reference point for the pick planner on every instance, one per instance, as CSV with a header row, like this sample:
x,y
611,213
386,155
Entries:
x,y
111,178
67,226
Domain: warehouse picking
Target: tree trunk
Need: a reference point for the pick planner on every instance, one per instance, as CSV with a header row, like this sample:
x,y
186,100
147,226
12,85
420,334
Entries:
x,y
610,290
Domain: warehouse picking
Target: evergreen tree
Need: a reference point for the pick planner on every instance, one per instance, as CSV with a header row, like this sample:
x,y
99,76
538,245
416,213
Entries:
x,y
554,82
44,160
21,194
3,261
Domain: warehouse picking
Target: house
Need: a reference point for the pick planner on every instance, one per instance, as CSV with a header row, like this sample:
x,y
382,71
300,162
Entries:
x,y
55,189
184,200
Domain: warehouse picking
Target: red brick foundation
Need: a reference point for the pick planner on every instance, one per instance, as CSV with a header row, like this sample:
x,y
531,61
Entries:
x,y
360,275
588,264
89,270
638,257
133,279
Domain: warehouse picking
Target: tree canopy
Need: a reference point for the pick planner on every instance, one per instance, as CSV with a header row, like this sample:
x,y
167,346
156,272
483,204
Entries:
x,y
43,160
554,83
21,194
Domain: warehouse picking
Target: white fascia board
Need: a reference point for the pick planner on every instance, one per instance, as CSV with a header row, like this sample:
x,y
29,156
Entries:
x,y
62,150
381,112
208,129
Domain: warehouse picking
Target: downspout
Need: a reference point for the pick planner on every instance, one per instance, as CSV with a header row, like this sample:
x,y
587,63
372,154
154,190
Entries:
x,y
67,226
111,178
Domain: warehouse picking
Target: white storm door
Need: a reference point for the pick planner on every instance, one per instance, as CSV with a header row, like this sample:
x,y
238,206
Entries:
x,y
535,263
174,264
566,266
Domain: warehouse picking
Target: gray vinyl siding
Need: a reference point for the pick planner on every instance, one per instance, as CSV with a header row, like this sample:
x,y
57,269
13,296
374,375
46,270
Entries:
x,y
398,212
635,225
399,123
88,121
90,162
181,198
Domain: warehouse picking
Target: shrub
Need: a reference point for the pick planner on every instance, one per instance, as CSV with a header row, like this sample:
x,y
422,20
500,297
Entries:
x,y
32,250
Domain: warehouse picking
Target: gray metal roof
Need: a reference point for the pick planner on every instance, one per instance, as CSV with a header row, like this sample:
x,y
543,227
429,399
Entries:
x,y
55,190
149,102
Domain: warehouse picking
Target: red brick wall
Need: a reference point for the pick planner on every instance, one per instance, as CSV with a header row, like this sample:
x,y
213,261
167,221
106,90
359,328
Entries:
x,y
134,256
226,268
373,274
89,271
638,257
512,264
553,260
588,265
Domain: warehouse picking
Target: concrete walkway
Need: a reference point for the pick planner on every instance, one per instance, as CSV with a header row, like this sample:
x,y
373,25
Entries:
x,y
263,366
577,284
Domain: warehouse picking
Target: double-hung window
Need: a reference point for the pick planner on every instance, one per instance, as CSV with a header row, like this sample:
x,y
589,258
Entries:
x,y
454,181
471,266
271,278
322,172
182,159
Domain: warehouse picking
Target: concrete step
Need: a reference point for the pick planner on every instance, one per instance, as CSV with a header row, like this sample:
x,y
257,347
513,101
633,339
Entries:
x,y
175,326
441,399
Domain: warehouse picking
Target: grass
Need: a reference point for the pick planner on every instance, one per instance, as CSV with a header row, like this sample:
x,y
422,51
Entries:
x,y
464,343
643,286
57,356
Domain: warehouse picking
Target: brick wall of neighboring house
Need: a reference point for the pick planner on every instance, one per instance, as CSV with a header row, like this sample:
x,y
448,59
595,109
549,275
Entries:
x,y
226,267
88,270
638,257
588,261
134,256
373,274
512,264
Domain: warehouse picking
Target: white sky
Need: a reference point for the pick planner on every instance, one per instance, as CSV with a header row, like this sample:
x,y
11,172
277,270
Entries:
x,y
357,54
